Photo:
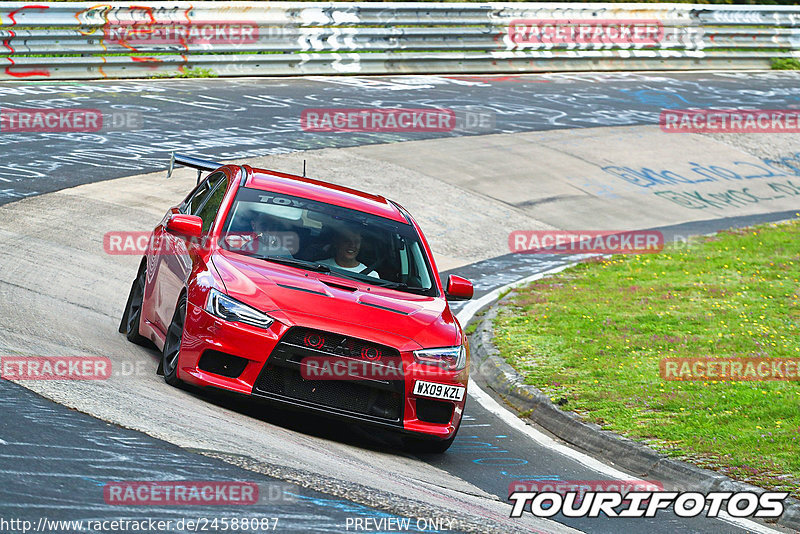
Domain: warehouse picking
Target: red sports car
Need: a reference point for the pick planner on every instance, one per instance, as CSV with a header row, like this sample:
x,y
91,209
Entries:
x,y
308,294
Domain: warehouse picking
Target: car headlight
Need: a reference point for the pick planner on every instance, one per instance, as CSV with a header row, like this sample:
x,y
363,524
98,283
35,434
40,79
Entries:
x,y
450,358
221,305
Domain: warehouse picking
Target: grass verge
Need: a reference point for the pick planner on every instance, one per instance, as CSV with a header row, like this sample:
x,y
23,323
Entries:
x,y
784,63
592,338
195,72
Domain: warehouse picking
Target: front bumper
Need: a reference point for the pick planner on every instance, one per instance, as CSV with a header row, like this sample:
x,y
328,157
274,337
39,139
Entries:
x,y
267,364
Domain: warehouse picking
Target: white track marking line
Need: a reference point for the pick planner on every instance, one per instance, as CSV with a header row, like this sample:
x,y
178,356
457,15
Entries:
x,y
3,442
546,441
752,526
543,439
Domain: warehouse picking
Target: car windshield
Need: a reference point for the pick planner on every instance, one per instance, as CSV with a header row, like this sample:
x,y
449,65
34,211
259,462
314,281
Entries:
x,y
323,237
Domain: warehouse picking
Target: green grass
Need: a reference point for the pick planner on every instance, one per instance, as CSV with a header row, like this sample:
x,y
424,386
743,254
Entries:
x,y
475,322
592,337
471,327
196,72
785,63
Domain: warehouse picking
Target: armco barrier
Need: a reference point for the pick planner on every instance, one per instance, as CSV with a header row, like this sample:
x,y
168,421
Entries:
x,y
69,40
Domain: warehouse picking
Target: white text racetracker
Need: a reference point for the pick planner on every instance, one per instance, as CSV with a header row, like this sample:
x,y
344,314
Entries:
x,y
438,391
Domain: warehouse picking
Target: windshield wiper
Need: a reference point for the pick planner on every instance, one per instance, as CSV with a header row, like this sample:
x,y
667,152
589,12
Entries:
x,y
302,264
358,277
400,285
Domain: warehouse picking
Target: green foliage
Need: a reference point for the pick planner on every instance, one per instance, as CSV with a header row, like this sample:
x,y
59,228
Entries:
x,y
196,72
785,63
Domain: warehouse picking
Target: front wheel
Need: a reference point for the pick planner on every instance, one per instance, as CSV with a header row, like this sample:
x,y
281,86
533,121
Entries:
x,y
172,345
427,446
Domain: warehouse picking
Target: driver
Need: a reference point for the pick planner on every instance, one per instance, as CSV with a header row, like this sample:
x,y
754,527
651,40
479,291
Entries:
x,y
346,246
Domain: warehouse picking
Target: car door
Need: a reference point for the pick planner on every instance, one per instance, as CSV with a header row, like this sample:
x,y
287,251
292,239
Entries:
x,y
175,261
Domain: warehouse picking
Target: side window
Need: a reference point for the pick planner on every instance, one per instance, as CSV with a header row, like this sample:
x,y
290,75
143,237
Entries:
x,y
199,196
208,211
194,203
404,259
419,275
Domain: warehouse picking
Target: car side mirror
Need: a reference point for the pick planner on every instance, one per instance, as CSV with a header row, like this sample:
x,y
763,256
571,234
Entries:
x,y
458,288
190,226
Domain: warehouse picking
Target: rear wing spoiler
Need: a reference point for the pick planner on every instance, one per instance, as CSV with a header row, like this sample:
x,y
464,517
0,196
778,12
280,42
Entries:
x,y
189,161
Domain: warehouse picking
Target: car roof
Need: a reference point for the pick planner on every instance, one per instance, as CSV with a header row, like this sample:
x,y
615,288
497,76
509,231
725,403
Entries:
x,y
290,184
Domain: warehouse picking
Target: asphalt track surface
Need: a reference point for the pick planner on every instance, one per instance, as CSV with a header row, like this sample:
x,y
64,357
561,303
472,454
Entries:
x,y
257,117
56,462
231,119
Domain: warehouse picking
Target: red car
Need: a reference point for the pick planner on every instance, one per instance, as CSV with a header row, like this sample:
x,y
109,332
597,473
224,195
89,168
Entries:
x,y
308,294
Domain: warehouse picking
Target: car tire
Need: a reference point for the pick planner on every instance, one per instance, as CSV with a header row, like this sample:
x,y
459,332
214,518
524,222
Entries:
x,y
427,446
133,311
172,345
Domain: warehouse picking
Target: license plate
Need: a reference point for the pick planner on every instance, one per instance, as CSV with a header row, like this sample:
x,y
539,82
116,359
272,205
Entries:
x,y
438,391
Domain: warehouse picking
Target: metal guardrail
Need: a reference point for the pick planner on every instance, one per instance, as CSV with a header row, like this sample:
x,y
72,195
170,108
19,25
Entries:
x,y
72,40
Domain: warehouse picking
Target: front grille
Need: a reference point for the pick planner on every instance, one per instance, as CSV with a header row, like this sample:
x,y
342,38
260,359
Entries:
x,y
380,400
339,345
339,394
